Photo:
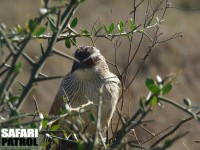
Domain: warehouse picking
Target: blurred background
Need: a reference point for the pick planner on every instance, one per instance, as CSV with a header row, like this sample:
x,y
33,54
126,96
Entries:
x,y
178,55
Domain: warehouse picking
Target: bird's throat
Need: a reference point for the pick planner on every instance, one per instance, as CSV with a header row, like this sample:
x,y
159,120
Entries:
x,y
83,74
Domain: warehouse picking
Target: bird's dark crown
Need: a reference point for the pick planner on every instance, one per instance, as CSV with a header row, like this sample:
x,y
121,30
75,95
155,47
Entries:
x,y
88,57
83,52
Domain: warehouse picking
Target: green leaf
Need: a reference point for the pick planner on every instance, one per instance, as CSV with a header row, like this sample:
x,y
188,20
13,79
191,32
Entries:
x,y
13,99
32,25
166,89
74,22
168,143
14,113
150,84
68,43
111,28
40,31
64,133
44,123
154,101
33,125
154,89
84,32
106,29
131,24
56,141
149,81
44,144
121,27
52,25
19,29
93,117
55,127
60,110
80,146
46,116
187,102
18,67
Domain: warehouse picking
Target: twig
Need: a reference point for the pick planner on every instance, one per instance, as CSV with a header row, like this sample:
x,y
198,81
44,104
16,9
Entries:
x,y
173,130
64,21
98,123
185,109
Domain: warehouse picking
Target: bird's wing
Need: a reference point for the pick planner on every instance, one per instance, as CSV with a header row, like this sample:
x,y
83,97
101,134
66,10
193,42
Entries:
x,y
59,99
57,103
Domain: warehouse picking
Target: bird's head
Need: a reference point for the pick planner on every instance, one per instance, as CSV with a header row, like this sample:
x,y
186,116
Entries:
x,y
89,61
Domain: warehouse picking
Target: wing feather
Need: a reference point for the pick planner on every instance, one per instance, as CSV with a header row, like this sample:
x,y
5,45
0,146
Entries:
x,y
58,100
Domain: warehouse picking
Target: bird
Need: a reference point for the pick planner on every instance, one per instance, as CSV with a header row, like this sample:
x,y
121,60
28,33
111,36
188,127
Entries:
x,y
89,74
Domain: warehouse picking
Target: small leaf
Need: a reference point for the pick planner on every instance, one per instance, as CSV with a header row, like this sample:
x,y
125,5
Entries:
x,y
44,123
14,113
68,43
84,32
64,133
39,31
154,89
166,89
93,117
106,29
33,125
74,22
18,67
150,84
46,116
44,144
187,102
111,28
168,143
80,146
149,81
19,29
121,27
131,24
52,25
32,25
55,127
60,110
13,99
56,141
154,101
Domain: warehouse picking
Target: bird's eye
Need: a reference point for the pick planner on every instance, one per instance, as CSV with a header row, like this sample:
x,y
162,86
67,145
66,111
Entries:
x,y
90,61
